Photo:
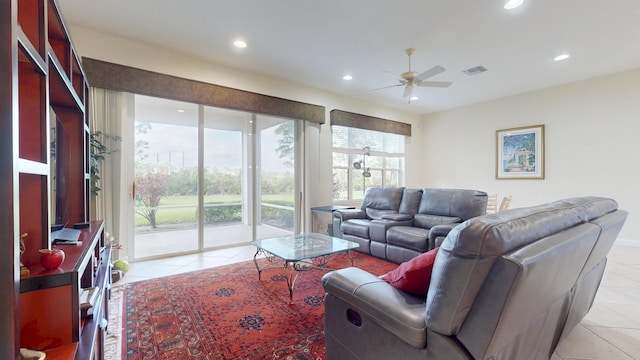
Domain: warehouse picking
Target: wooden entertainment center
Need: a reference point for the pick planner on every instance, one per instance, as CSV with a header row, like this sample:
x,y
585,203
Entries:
x,y
45,180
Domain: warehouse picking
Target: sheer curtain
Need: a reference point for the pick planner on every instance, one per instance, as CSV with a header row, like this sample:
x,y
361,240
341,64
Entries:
x,y
112,113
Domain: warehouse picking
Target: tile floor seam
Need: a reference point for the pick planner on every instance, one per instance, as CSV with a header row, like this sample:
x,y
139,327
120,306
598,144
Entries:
x,y
609,342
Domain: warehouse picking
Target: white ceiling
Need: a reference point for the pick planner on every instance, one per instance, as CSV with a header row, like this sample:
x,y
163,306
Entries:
x,y
315,43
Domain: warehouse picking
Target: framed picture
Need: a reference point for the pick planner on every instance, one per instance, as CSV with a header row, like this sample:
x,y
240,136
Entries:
x,y
520,153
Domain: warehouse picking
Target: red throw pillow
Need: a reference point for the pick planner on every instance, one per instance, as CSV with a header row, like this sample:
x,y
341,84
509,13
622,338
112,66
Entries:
x,y
413,276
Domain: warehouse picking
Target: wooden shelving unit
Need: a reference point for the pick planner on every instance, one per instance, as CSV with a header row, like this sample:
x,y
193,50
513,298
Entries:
x,y
44,180
50,314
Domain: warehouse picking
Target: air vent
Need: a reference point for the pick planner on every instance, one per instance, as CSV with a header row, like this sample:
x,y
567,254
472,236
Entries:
x,y
475,70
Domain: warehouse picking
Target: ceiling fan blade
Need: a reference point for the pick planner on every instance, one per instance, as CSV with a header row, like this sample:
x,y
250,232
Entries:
x,y
393,76
434,83
386,87
408,90
429,73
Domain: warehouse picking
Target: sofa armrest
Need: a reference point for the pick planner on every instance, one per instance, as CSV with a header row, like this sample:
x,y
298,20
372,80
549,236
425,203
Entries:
x,y
342,215
438,233
400,313
348,214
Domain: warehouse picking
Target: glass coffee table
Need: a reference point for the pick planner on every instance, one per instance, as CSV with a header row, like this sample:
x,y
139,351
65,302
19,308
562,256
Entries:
x,y
300,252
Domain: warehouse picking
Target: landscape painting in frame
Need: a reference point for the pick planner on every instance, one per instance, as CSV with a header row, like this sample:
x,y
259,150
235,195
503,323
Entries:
x,y
520,153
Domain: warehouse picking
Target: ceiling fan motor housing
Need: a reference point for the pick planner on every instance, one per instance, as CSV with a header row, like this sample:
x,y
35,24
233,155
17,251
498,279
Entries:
x,y
409,75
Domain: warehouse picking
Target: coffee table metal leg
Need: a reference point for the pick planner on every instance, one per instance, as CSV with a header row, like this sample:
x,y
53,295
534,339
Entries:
x,y
255,261
349,256
292,268
291,275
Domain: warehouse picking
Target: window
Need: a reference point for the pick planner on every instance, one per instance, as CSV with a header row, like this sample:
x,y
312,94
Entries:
x,y
379,156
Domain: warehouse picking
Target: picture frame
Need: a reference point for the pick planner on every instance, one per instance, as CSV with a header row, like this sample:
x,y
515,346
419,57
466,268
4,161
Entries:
x,y
520,153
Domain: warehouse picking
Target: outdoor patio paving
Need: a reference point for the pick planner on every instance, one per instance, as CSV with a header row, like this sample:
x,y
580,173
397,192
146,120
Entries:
x,y
159,243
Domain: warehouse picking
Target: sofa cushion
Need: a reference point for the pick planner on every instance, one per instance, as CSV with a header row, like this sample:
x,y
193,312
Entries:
x,y
410,201
397,217
382,198
428,221
413,276
409,237
377,214
462,203
357,227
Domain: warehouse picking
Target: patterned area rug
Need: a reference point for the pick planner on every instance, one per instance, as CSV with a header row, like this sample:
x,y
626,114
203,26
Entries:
x,y
227,313
113,340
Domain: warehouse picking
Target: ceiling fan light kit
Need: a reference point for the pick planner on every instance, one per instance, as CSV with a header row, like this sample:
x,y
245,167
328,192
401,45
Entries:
x,y
411,78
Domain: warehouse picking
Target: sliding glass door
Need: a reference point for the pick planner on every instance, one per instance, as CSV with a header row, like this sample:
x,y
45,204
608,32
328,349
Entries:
x,y
225,181
276,187
209,177
166,182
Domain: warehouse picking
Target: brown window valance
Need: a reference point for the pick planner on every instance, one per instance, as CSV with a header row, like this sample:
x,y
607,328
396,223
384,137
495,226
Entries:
x,y
117,77
344,118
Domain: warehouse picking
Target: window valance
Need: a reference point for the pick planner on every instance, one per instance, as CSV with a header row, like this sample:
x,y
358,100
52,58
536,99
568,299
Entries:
x,y
344,118
117,77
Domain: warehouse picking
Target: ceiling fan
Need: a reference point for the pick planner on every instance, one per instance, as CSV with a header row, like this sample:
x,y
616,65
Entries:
x,y
411,78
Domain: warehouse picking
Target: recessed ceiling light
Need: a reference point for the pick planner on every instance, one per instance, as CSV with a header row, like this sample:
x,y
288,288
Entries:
x,y
561,57
180,110
414,98
347,77
240,44
512,4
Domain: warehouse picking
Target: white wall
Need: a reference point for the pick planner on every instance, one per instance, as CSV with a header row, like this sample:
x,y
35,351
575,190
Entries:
x,y
592,131
90,43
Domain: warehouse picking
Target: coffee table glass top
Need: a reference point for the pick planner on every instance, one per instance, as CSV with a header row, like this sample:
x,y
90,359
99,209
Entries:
x,y
304,246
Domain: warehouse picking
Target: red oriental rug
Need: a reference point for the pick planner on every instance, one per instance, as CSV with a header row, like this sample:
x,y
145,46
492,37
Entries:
x,y
227,313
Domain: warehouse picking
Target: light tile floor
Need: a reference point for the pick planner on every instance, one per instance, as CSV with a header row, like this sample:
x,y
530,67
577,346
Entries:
x,y
611,330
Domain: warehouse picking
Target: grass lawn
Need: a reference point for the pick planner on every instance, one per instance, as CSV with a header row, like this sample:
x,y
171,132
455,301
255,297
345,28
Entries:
x,y
183,209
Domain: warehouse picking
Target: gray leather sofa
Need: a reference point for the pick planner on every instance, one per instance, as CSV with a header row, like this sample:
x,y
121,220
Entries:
x,y
509,285
397,224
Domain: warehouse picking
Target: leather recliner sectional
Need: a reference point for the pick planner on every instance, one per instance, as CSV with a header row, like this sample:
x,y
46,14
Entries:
x,y
509,285
397,223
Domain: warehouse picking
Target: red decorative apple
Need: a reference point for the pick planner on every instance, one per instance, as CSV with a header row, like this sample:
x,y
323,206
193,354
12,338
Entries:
x,y
51,259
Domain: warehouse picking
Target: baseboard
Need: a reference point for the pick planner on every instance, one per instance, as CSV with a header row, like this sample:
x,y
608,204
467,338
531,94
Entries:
x,y
626,242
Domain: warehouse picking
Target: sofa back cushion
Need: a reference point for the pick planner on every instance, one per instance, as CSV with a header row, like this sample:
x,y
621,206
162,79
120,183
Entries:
x,y
410,201
528,303
586,288
470,250
460,203
379,201
526,299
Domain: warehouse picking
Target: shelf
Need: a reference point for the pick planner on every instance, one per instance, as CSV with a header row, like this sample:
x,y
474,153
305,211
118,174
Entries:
x,y
33,203
29,53
32,112
90,331
44,173
62,352
58,39
31,20
50,299
78,77
32,167
61,90
77,257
